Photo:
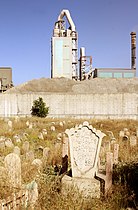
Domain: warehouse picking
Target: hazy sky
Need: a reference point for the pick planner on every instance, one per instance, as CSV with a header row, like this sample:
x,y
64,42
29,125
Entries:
x,y
26,28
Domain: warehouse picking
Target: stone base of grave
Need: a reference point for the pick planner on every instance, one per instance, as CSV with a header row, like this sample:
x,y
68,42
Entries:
x,y
87,187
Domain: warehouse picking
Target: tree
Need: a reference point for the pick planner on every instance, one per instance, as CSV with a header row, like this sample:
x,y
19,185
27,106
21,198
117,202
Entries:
x,y
39,108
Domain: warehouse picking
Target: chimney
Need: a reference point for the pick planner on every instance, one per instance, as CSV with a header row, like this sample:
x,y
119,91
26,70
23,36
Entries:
x,y
133,50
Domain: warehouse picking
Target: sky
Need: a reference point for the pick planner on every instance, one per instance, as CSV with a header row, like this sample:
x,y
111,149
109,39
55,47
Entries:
x,y
26,28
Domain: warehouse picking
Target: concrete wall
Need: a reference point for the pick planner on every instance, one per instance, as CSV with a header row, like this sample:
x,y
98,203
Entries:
x,y
115,106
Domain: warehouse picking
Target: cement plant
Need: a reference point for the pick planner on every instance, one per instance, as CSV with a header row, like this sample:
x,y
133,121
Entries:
x,y
75,88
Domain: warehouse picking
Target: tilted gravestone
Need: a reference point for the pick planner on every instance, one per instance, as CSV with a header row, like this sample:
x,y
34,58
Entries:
x,y
13,167
84,142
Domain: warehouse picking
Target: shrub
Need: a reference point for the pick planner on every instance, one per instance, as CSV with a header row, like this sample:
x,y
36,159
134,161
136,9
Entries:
x,y
39,108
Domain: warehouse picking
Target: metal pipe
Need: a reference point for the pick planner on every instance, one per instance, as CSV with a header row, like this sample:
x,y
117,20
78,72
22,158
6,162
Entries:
x,y
133,50
67,14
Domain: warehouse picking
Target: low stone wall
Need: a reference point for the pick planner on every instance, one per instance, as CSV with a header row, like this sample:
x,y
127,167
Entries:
x,y
114,106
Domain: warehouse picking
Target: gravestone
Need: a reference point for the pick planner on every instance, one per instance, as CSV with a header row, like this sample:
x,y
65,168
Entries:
x,y
46,152
137,132
8,143
44,132
13,167
38,163
133,140
16,138
29,156
2,141
53,128
10,125
33,193
121,133
116,151
40,136
84,142
25,147
16,150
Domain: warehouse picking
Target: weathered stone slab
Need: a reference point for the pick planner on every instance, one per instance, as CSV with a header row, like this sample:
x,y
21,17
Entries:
x,y
133,140
13,166
29,156
25,147
8,143
46,152
85,143
87,187
17,150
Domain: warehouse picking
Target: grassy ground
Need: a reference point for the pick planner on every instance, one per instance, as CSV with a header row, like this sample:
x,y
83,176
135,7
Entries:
x,y
50,196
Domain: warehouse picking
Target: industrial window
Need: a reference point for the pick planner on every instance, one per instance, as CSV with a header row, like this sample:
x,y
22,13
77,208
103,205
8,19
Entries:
x,y
128,75
105,74
117,75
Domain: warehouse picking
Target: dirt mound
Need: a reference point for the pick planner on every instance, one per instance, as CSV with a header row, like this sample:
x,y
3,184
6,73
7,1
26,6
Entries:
x,y
64,85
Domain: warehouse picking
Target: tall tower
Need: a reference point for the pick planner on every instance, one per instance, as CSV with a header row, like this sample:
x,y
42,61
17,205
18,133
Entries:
x,y
64,51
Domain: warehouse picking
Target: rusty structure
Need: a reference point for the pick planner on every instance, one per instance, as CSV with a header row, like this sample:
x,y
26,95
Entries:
x,y
133,50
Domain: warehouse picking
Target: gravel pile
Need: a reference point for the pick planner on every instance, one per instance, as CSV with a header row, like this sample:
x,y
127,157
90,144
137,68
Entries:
x,y
64,85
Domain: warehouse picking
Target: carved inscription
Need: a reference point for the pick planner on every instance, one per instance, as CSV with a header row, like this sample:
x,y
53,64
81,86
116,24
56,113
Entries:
x,y
85,144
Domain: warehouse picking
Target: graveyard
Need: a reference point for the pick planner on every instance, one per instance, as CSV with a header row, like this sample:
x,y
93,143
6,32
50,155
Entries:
x,y
68,163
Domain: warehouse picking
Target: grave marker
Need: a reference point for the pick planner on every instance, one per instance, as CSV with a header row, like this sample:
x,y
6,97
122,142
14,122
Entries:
x,y
85,143
133,140
25,147
13,166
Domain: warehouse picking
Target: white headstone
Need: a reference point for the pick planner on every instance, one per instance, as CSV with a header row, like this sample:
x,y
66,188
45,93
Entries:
x,y
10,125
38,163
61,124
2,141
44,132
53,128
16,150
13,166
30,126
121,133
30,156
17,138
27,123
46,152
137,132
85,143
8,143
40,136
133,141
25,146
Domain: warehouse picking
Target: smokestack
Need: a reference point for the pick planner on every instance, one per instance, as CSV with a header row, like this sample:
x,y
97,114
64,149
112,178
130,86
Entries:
x,y
133,50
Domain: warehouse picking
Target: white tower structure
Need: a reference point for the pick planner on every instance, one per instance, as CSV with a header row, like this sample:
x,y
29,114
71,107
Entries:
x,y
64,48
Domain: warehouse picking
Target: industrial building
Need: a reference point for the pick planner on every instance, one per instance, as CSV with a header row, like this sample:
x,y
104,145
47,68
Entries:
x,y
5,78
64,48
64,55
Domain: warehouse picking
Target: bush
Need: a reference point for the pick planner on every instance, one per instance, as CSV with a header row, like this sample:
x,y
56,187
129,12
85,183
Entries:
x,y
39,108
